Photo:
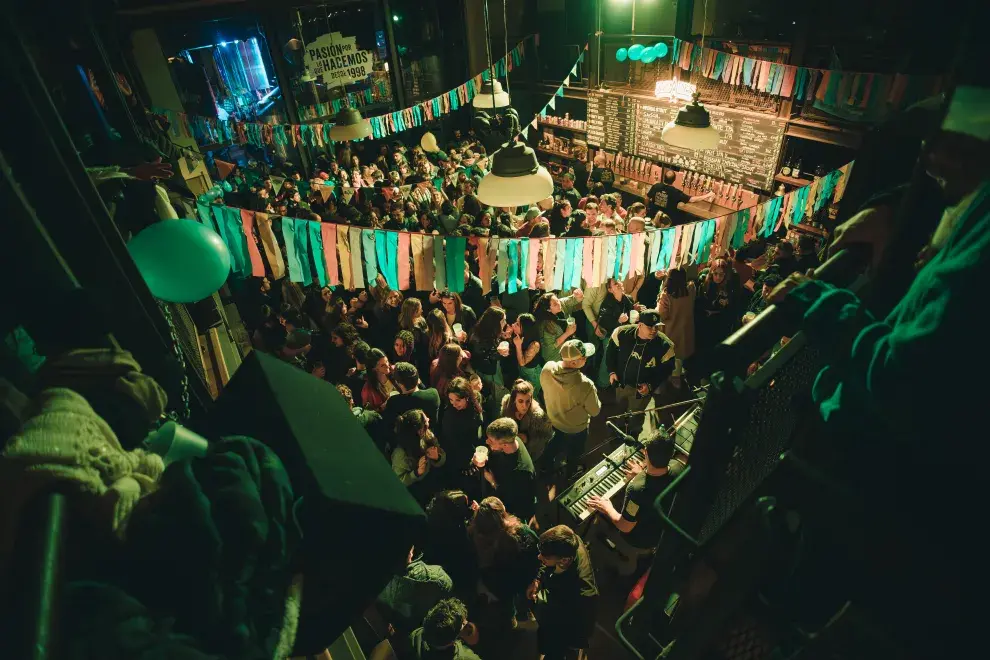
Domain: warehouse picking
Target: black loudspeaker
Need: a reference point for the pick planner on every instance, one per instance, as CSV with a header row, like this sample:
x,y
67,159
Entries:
x,y
205,314
358,520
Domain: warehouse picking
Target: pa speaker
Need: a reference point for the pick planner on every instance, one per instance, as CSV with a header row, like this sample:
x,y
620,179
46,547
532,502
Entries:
x,y
358,520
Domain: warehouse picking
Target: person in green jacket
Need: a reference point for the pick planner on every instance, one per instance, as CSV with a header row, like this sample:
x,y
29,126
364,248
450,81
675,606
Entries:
x,y
553,316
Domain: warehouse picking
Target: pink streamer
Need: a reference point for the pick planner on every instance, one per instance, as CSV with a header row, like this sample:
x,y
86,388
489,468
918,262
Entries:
x,y
549,261
247,226
675,258
329,233
532,265
403,261
484,263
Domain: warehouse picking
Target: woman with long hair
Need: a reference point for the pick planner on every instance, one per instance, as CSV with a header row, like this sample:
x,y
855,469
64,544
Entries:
x,y
486,352
377,385
460,427
416,453
450,363
411,319
526,348
717,303
676,308
507,552
439,333
535,429
454,310
403,348
550,313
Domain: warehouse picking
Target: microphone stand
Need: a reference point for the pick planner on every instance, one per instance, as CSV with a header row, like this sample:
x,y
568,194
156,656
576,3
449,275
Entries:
x,y
666,407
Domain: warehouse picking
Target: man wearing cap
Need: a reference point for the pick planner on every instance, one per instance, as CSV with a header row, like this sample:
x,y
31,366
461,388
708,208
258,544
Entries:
x,y
639,359
571,402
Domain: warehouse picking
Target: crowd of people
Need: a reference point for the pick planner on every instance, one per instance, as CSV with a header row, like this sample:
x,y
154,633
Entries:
x,y
481,401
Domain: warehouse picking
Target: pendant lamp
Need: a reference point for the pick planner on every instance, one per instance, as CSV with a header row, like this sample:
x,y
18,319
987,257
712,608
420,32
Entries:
x,y
491,96
349,125
516,177
692,129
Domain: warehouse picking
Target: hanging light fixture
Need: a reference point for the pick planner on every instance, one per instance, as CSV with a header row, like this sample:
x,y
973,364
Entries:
x,y
349,125
516,177
307,75
692,129
491,95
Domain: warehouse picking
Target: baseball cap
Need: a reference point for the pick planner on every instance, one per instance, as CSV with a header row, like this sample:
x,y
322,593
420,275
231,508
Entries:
x,y
649,317
575,349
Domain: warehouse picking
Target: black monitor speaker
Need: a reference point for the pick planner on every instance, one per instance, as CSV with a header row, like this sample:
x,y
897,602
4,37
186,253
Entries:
x,y
358,520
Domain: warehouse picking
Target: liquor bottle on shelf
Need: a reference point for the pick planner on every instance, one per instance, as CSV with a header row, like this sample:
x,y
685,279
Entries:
x,y
786,169
796,170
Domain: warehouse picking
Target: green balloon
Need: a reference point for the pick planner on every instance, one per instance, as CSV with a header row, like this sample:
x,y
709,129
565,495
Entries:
x,y
181,261
636,51
226,186
649,55
661,50
621,54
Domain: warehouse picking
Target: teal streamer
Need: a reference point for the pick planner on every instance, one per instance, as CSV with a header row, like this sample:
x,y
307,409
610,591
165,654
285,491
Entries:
x,y
370,263
523,260
218,220
666,252
233,236
771,216
316,248
501,249
708,235
568,245
203,211
739,235
577,259
623,264
558,268
455,263
512,279
800,202
387,249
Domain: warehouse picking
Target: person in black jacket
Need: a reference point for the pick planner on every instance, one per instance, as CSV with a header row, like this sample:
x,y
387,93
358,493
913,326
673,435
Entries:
x,y
615,308
565,593
639,359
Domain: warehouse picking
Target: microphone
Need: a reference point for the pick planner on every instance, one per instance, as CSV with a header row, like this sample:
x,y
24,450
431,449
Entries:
x,y
626,438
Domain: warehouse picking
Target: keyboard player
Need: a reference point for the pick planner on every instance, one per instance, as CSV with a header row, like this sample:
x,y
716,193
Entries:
x,y
638,522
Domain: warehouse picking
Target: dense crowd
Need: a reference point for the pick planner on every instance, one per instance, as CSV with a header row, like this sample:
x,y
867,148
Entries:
x,y
479,400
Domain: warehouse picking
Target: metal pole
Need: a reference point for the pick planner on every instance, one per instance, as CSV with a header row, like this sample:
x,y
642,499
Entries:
x,y
399,88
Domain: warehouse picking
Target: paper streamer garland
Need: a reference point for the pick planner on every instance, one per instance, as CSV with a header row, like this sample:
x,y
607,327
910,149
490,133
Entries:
x,y
353,257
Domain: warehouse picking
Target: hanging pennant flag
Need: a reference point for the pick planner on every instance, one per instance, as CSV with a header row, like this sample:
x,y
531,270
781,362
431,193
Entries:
x,y
549,261
277,182
402,260
439,265
316,247
268,243
567,83
329,241
233,236
533,262
525,132
344,254
560,91
552,103
386,250
598,262
370,262
587,260
574,70
254,254
357,267
611,246
455,246
292,259
637,260
422,256
224,168
326,191
533,123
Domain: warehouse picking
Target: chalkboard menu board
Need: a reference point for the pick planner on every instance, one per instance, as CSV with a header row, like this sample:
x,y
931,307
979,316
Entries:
x,y
747,153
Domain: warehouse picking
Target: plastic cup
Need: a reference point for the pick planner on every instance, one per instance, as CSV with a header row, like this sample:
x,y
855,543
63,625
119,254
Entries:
x,y
174,442
571,320
503,346
457,328
481,455
634,316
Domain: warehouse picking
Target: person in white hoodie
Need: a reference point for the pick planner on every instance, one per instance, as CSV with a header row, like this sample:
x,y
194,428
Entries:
x,y
571,402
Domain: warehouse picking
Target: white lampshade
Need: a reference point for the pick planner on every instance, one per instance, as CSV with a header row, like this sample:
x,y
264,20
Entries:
x,y
505,191
491,96
692,129
349,125
690,138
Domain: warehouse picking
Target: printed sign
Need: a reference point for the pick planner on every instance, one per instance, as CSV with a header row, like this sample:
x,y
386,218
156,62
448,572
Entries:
x,y
337,59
